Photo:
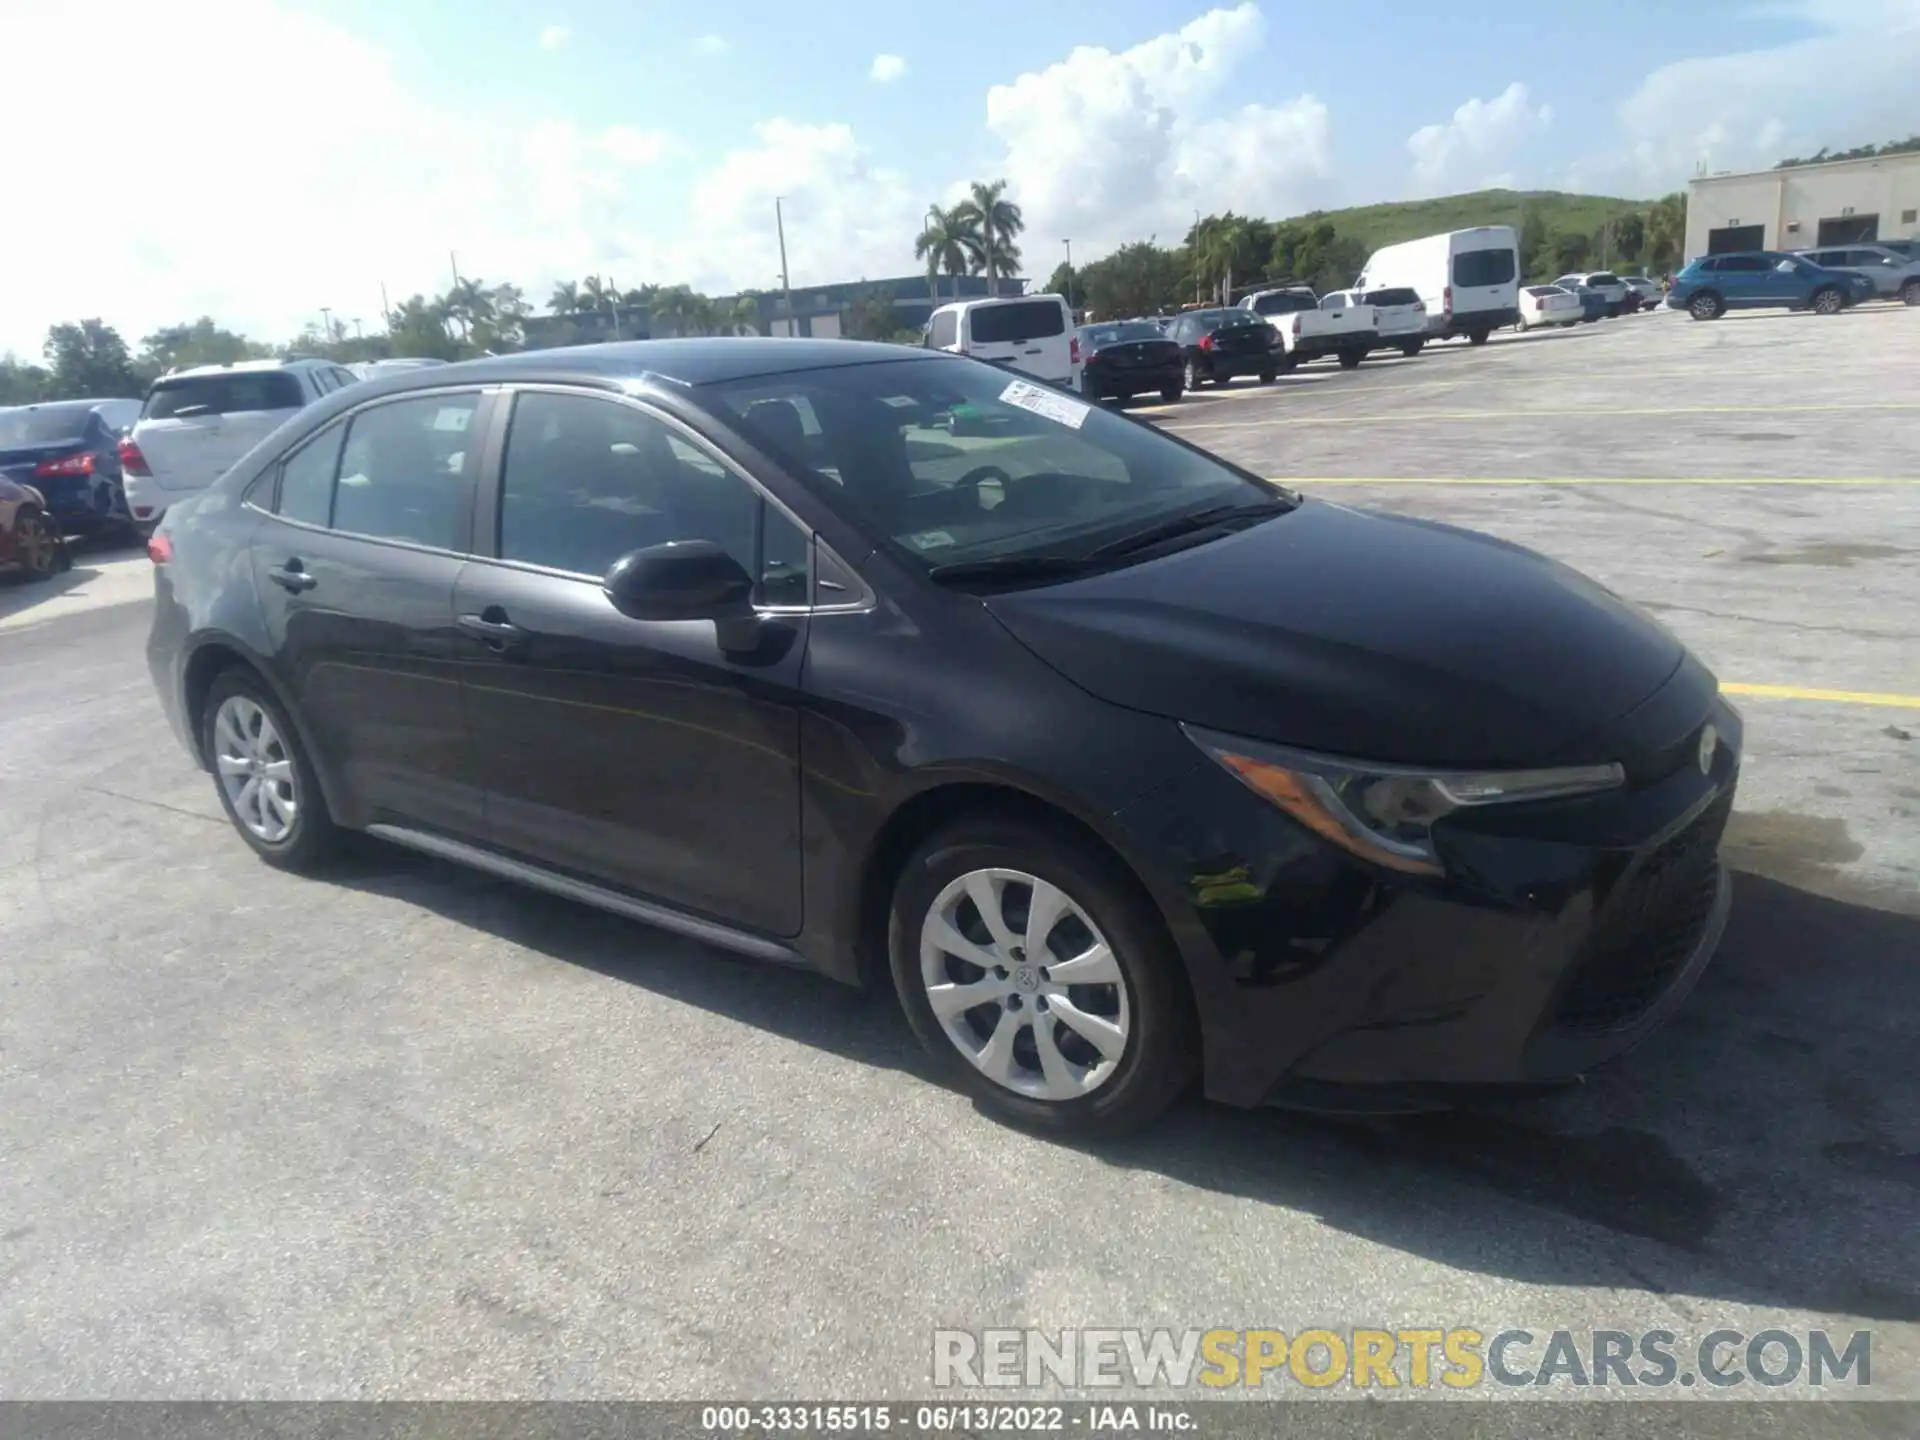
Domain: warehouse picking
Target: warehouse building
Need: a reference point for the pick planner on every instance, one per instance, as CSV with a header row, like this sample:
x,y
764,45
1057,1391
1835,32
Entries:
x,y
1836,202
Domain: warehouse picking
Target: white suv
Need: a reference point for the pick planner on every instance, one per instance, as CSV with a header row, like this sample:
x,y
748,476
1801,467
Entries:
x,y
197,422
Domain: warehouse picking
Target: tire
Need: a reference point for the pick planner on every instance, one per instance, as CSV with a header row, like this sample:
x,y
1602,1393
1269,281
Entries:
x,y
1350,359
1705,305
1123,397
1827,301
1411,348
1477,337
1171,393
1147,1053
1090,391
38,546
310,837
1190,373
1269,375
1910,292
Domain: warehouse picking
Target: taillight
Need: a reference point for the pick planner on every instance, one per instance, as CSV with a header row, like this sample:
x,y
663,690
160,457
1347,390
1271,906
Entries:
x,y
132,461
159,548
81,464
1073,350
1206,342
1446,298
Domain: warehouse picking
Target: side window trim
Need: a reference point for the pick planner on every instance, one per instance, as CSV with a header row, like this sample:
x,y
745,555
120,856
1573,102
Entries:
x,y
486,513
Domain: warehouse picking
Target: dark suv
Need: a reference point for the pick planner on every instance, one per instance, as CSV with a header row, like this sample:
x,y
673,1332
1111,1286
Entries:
x,y
1121,764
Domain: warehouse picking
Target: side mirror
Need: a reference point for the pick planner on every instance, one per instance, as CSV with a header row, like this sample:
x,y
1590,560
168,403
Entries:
x,y
681,580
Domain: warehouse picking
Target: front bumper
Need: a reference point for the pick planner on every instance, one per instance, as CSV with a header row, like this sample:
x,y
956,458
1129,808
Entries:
x,y
1564,933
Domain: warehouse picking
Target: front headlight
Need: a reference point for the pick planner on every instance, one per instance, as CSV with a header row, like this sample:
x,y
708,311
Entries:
x,y
1386,813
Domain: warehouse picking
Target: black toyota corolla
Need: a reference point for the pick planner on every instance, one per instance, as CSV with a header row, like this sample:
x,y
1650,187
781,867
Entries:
x,y
1124,766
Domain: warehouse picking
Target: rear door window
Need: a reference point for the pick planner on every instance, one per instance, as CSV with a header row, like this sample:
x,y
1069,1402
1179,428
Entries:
x,y
404,471
1483,267
1021,320
306,479
194,395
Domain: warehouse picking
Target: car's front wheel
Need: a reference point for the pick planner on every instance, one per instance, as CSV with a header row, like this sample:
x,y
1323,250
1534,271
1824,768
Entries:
x,y
1350,359
1706,306
1828,301
266,783
1039,980
1171,393
36,545
1910,292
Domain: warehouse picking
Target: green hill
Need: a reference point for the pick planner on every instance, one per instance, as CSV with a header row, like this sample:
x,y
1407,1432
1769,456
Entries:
x,y
1397,220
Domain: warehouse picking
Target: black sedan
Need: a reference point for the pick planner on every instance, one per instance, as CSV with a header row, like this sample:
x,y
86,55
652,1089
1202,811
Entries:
x,y
1217,345
68,451
1125,358
1120,764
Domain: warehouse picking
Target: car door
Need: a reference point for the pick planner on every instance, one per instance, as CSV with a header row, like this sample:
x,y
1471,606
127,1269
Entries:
x,y
661,757
1742,280
355,567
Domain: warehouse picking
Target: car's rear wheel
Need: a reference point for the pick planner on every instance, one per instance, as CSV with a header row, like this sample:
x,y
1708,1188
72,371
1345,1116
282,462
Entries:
x,y
1193,375
1350,359
36,544
1269,375
1827,301
1477,337
1910,292
1706,306
1039,980
266,783
1171,393
1411,348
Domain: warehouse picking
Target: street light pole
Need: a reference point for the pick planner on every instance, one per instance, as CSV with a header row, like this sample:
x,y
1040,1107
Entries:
x,y
326,322
933,269
786,286
1069,244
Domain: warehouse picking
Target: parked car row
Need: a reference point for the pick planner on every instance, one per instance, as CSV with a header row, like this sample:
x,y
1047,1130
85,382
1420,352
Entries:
x,y
1765,279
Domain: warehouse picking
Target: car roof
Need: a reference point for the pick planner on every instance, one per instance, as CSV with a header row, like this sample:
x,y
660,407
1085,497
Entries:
x,y
243,367
983,301
690,361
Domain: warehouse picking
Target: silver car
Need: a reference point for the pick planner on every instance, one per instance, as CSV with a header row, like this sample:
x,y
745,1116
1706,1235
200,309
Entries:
x,y
1892,272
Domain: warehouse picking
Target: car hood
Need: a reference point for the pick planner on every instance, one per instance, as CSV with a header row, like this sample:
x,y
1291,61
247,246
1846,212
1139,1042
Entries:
x,y
1361,634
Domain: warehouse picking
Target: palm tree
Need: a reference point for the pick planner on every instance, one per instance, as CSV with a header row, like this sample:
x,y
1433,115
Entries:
x,y
597,293
998,220
467,304
565,299
678,308
743,314
951,242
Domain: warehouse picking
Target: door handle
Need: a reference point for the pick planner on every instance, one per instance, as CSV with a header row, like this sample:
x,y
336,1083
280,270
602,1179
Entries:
x,y
292,577
492,628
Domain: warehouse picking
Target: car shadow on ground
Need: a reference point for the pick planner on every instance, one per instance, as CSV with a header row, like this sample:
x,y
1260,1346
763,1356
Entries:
x,y
1758,1150
85,555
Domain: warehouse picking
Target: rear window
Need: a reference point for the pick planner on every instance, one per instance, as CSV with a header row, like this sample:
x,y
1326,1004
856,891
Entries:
x,y
1541,292
1603,277
44,424
1392,297
1114,334
1010,324
1283,303
193,395
1484,267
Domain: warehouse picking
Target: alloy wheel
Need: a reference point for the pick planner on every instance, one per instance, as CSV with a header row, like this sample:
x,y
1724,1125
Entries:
x,y
1024,984
1828,302
37,545
256,771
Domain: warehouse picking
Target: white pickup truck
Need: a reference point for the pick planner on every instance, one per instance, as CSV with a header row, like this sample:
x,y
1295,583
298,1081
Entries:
x,y
1308,332
1399,315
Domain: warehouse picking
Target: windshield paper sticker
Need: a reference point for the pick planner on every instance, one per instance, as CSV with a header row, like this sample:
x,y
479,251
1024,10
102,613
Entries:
x,y
930,539
1057,408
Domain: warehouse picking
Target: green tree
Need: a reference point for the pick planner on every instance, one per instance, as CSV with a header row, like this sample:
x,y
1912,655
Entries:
x,y
999,223
1667,230
566,299
501,322
1534,255
871,316
1064,282
198,342
678,310
418,327
88,359
949,241
1570,251
1629,237
22,384
1138,279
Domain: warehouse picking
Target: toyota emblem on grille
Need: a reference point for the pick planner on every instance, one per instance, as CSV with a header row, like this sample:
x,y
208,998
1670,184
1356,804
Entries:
x,y
1709,742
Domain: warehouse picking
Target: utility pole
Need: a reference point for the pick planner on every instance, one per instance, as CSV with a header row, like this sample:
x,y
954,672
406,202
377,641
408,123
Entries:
x,y
1068,242
326,322
1193,254
453,263
786,285
356,329
385,308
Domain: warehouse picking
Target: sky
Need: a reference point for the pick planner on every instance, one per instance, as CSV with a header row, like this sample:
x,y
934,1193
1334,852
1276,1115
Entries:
x,y
257,160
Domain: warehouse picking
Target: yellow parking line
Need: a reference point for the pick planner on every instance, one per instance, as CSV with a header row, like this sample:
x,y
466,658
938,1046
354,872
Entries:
x,y
1589,413
1840,697
1299,481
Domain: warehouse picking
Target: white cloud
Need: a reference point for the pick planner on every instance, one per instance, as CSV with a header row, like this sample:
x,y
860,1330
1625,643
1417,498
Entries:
x,y
1469,150
1109,147
554,36
710,45
261,241
887,68
1848,85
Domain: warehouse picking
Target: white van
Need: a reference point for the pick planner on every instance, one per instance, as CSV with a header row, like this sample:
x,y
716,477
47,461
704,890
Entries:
x,y
1469,280
1033,334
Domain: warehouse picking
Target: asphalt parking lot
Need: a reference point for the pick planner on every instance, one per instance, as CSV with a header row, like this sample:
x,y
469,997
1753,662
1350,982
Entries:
x,y
410,1132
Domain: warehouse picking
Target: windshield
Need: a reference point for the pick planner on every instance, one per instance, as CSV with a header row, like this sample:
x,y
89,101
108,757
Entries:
x,y
1114,334
44,424
1392,297
952,460
1284,302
